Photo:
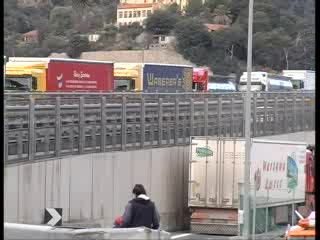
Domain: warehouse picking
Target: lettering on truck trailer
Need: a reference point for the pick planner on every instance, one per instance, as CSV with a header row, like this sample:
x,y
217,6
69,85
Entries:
x,y
278,172
167,78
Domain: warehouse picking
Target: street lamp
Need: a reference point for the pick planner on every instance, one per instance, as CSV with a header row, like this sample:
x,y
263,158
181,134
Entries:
x,y
246,197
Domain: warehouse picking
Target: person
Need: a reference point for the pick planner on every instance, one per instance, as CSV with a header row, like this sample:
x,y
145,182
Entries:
x,y
140,211
117,222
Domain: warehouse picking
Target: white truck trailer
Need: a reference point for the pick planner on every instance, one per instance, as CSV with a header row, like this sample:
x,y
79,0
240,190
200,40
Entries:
x,y
216,172
301,79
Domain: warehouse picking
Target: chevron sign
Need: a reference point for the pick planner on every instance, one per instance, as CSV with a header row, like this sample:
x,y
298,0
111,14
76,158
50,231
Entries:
x,y
53,216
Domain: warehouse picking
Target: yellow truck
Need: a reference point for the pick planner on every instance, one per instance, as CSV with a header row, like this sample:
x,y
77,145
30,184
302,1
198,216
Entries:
x,y
27,76
127,76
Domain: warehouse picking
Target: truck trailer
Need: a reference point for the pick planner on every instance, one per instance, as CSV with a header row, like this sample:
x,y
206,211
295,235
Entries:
x,y
152,77
301,79
216,176
58,75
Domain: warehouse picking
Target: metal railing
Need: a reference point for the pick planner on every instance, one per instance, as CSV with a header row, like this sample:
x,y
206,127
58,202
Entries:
x,y
46,125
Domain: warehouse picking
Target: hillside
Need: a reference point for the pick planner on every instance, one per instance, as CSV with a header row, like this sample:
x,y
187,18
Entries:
x,y
284,31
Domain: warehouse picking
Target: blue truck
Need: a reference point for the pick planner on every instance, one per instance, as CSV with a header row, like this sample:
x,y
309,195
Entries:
x,y
167,78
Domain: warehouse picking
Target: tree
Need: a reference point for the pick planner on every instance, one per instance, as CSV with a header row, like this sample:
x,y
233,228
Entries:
x,y
77,45
193,40
161,22
60,20
222,15
194,8
212,4
56,44
132,30
30,50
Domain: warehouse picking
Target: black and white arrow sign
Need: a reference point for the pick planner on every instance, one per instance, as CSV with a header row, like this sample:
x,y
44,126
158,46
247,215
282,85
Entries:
x,y
53,216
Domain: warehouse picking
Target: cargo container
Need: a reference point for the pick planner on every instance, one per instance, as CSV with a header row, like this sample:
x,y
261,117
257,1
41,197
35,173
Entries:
x,y
216,172
49,74
152,77
301,79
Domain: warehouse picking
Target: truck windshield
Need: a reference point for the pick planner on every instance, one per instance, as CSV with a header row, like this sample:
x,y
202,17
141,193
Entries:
x,y
20,83
297,84
121,84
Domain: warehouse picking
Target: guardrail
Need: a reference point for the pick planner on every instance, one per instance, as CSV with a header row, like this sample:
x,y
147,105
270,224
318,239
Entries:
x,y
47,125
15,231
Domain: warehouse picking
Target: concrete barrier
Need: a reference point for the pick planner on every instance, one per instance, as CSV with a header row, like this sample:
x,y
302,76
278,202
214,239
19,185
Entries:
x,y
15,231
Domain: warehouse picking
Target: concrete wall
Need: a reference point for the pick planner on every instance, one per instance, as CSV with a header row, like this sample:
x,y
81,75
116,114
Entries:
x,y
95,188
308,137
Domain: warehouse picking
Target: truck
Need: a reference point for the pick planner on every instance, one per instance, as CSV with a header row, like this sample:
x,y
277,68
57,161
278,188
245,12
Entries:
x,y
263,81
301,79
58,75
216,177
152,77
200,78
221,86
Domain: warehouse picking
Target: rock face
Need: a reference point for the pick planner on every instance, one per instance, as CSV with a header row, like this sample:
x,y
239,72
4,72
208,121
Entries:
x,y
135,56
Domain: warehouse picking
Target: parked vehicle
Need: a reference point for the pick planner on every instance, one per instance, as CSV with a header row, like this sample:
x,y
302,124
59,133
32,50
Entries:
x,y
49,74
263,81
200,79
301,79
221,86
152,77
217,170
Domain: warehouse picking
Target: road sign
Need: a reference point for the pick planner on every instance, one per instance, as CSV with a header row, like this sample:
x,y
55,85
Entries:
x,y
53,216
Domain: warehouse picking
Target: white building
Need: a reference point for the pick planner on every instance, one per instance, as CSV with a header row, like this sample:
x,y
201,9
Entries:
x,y
181,3
130,13
93,37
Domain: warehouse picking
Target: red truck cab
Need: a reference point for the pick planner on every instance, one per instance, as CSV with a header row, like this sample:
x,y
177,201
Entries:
x,y
200,78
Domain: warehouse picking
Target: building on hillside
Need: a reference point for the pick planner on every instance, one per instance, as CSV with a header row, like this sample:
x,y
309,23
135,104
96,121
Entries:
x,y
130,13
215,27
161,41
93,37
31,37
181,3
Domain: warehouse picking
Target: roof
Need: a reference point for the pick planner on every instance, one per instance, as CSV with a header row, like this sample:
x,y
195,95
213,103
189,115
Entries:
x,y
215,27
130,6
163,56
31,33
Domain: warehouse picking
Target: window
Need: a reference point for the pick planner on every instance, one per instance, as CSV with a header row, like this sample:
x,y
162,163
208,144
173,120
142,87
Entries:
x,y
134,14
120,14
143,13
125,14
162,38
130,14
138,13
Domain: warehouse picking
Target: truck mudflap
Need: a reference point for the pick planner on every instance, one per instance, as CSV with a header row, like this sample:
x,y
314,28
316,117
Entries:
x,y
214,221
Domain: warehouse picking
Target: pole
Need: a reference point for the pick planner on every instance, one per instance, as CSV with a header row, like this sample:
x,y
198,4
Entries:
x,y
246,209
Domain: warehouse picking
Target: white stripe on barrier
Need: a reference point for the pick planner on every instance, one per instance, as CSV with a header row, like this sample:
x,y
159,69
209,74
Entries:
x,y
180,235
